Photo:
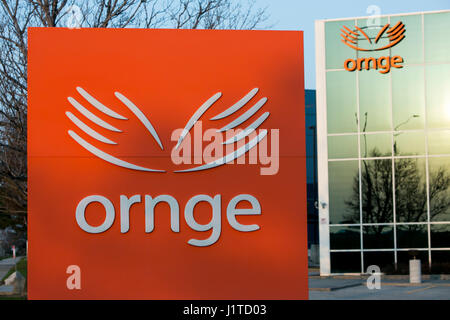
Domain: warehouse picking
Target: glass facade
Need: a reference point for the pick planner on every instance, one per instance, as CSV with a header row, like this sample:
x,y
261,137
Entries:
x,y
388,146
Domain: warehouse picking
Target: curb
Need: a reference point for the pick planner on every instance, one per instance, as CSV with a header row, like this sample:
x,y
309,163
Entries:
x,y
329,289
422,284
383,276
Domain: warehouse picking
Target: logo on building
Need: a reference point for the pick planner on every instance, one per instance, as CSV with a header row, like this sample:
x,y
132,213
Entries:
x,y
364,39
354,38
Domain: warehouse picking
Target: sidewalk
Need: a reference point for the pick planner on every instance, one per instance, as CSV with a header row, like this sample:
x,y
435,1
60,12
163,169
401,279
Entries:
x,y
10,260
348,288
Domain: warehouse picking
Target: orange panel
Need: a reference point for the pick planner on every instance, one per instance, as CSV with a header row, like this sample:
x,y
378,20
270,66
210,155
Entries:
x,y
167,75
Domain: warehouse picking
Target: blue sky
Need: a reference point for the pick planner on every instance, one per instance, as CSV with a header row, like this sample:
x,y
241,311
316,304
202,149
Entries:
x,y
300,15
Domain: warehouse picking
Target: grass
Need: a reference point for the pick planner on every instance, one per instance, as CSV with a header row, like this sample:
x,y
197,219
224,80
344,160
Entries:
x,y
13,298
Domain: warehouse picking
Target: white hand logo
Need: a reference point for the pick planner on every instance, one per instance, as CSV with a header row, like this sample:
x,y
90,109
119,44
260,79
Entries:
x,y
190,124
233,124
89,147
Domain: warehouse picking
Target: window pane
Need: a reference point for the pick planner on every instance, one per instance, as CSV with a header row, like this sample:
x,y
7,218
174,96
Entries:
x,y
374,105
345,262
310,147
409,143
384,260
341,102
410,190
310,167
343,191
377,191
412,236
345,238
439,142
403,258
438,95
439,171
376,145
440,236
437,37
410,48
378,237
408,98
336,51
341,147
440,262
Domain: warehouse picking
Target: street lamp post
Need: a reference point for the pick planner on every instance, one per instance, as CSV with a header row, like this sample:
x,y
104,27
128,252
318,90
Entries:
x,y
397,127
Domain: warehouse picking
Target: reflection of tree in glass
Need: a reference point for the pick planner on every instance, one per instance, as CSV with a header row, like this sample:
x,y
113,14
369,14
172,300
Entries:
x,y
410,191
439,197
376,192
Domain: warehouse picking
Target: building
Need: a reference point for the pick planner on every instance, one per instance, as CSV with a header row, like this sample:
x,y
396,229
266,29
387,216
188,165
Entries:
x,y
311,167
383,130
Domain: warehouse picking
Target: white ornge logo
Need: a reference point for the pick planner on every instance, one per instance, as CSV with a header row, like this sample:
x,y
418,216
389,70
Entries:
x,y
183,136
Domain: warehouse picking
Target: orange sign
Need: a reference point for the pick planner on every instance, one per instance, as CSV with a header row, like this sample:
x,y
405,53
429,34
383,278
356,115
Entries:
x,y
383,64
166,164
359,40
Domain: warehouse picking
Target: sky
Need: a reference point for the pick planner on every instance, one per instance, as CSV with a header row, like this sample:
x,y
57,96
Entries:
x,y
301,14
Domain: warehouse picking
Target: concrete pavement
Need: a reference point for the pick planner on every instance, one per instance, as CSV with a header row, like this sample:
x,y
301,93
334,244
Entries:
x,y
10,261
345,289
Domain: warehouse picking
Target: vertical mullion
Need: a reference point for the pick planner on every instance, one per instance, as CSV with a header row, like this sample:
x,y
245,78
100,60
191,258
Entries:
x,y
394,211
359,165
427,175
322,149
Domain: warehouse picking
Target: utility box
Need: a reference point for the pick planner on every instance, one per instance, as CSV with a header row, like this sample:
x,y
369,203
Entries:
x,y
415,273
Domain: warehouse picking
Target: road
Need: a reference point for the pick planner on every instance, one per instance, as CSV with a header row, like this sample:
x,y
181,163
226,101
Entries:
x,y
6,264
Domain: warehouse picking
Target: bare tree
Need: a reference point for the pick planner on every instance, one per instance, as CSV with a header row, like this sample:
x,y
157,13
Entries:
x,y
410,193
17,15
